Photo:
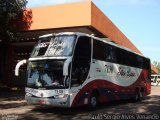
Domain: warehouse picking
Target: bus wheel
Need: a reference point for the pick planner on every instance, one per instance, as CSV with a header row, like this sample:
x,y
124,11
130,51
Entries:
x,y
141,95
93,101
136,98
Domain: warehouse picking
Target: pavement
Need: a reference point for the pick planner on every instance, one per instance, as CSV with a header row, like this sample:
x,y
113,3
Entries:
x,y
13,107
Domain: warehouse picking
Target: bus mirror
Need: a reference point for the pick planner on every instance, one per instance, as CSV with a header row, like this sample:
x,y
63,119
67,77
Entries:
x,y
66,65
18,66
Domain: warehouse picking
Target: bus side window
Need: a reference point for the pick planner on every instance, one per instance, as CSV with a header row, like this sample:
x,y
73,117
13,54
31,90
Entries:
x,y
146,63
140,61
98,50
119,55
111,55
108,53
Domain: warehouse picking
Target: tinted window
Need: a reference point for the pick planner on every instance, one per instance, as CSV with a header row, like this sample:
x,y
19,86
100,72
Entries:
x,y
120,57
98,50
110,53
146,63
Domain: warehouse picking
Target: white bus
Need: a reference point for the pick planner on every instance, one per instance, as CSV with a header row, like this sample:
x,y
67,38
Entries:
x,y
75,69
155,80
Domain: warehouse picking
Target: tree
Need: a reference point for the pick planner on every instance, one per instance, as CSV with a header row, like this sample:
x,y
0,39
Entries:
x,y
13,16
157,65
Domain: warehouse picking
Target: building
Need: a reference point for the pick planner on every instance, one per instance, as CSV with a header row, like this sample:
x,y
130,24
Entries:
x,y
72,17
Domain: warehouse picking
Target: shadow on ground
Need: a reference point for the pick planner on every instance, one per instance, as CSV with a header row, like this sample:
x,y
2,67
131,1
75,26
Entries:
x,y
11,96
12,105
11,99
147,106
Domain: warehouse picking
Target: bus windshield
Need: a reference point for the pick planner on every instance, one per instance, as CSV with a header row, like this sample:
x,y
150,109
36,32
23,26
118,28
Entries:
x,y
47,74
61,45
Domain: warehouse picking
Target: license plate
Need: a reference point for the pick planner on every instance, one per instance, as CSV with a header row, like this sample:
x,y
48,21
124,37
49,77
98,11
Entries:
x,y
42,102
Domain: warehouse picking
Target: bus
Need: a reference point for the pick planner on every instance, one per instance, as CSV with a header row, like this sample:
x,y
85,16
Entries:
x,y
73,69
155,80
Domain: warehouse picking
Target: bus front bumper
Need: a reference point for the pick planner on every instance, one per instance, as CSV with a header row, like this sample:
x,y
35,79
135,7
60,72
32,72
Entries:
x,y
62,102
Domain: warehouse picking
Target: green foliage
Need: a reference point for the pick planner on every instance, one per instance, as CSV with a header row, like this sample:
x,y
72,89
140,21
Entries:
x,y
9,9
157,65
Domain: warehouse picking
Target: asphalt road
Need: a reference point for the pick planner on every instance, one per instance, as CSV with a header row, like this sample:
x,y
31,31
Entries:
x,y
13,108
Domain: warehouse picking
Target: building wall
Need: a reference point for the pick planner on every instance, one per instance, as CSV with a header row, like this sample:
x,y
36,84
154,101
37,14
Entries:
x,y
60,16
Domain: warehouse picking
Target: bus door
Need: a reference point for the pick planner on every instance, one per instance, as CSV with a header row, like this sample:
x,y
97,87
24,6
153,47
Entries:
x,y
81,63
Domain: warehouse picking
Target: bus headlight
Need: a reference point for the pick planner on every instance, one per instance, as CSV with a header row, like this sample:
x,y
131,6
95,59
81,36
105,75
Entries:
x,y
60,96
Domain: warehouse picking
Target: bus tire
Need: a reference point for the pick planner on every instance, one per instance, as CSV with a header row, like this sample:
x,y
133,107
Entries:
x,y
93,101
136,97
141,95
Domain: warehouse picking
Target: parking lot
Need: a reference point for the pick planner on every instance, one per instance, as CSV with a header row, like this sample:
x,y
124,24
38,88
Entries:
x,y
13,106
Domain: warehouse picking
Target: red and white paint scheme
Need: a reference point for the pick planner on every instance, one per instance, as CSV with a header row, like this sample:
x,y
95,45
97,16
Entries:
x,y
76,69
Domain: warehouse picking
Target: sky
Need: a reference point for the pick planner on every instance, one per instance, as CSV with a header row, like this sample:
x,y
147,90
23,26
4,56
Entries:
x,y
139,20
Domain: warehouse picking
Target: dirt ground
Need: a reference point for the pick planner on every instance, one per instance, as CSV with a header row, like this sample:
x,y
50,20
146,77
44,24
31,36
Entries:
x,y
13,107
